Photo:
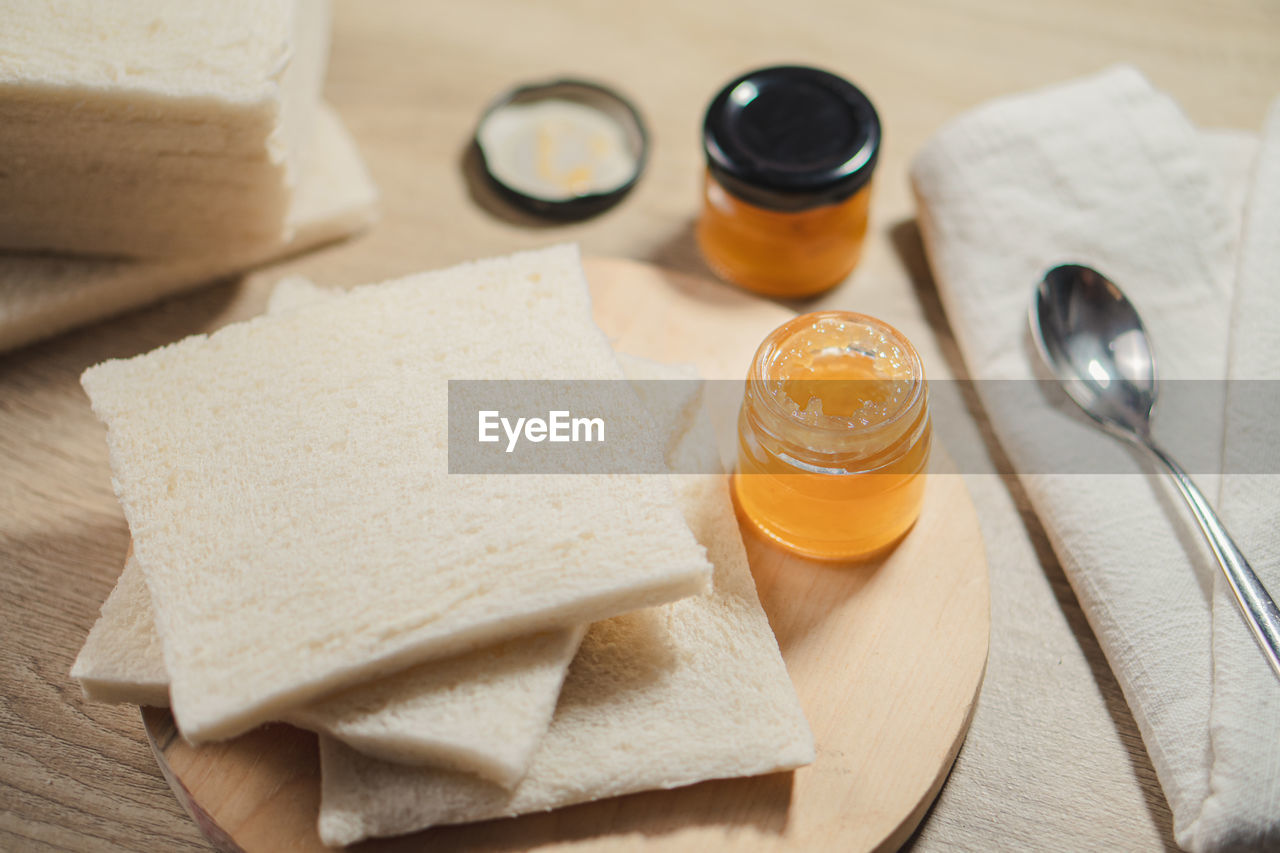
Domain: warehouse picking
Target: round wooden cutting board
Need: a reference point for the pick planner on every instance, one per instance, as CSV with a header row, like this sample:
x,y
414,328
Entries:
x,y
887,656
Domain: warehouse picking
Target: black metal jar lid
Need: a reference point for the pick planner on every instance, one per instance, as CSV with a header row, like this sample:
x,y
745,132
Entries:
x,y
563,149
791,138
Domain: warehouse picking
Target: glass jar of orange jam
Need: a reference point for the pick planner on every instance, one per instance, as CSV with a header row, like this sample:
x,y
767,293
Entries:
x,y
833,436
790,154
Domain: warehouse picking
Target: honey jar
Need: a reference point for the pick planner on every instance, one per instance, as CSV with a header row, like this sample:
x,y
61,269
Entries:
x,y
833,436
790,153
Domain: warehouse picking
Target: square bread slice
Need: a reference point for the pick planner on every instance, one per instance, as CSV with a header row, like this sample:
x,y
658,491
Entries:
x,y
286,483
483,712
122,659
153,128
43,295
661,698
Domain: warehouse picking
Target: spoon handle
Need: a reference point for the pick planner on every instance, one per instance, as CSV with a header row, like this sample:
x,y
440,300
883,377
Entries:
x,y
1255,604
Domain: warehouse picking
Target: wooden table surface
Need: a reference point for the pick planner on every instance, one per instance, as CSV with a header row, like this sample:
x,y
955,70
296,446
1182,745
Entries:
x,y
1053,760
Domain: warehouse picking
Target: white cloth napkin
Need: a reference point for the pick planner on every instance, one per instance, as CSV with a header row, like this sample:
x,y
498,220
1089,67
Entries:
x,y
1107,171
1244,715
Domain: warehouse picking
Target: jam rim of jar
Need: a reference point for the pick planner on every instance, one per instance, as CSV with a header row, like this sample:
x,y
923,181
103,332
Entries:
x,y
798,439
771,181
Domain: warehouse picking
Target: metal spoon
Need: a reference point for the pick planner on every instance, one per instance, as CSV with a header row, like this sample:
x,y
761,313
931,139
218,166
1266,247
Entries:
x,y
1094,342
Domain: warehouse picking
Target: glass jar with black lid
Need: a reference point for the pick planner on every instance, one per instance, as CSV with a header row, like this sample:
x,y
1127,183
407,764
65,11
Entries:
x,y
790,154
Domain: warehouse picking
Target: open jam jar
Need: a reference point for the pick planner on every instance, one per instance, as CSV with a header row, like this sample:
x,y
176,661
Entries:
x,y
790,153
833,436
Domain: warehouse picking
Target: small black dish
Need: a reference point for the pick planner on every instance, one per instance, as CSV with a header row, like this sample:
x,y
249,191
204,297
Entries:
x,y
506,170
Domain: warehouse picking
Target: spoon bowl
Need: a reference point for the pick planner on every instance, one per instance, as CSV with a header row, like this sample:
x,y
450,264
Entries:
x,y
1093,340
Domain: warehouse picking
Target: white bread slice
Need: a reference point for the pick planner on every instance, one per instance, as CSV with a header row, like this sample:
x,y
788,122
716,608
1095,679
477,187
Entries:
x,y
293,292
322,542
661,698
483,712
122,659
153,128
42,295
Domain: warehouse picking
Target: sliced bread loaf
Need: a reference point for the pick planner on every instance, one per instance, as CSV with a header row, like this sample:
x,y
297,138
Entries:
x,y
661,698
153,128
42,295
322,542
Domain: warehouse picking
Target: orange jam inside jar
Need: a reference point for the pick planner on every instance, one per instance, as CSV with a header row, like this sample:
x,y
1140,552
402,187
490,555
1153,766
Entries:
x,y
833,436
790,154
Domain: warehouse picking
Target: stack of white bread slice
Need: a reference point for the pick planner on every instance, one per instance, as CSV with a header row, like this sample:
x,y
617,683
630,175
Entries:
x,y
468,646
150,146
